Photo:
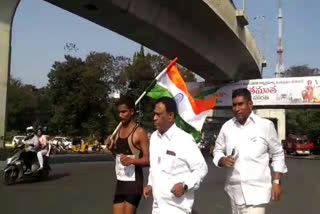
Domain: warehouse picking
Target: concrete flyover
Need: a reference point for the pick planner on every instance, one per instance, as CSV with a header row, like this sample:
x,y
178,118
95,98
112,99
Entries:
x,y
205,35
210,37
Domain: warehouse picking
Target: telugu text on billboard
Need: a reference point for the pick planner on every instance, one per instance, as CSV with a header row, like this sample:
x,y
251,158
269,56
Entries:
x,y
277,91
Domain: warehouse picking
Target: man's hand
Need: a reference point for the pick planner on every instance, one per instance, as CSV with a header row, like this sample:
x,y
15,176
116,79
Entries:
x,y
227,162
276,192
109,142
29,147
178,190
126,161
147,190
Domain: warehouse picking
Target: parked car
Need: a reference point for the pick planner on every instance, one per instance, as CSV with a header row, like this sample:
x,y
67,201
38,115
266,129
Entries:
x,y
297,145
16,139
67,142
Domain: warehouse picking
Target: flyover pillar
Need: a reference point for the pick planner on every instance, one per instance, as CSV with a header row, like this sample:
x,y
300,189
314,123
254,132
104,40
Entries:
x,y
7,11
279,115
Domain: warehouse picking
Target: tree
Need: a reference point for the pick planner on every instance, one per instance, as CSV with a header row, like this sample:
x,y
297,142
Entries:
x,y
301,71
304,122
121,80
78,99
80,92
158,63
27,105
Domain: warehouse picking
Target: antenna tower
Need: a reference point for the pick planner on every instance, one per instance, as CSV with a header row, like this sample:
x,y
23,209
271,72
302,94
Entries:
x,y
280,66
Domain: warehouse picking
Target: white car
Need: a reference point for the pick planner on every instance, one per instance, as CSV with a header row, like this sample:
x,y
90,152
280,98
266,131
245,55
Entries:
x,y
16,139
64,140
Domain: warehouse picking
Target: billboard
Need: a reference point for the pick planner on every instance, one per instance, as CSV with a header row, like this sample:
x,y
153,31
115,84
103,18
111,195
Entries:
x,y
274,91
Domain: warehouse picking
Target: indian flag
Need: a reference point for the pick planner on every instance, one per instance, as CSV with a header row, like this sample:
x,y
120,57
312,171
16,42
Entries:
x,y
191,112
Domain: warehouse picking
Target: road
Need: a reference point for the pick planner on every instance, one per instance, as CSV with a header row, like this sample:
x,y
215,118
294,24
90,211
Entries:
x,y
88,187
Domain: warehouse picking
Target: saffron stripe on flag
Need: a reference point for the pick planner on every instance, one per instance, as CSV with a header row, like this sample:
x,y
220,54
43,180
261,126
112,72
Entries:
x,y
198,106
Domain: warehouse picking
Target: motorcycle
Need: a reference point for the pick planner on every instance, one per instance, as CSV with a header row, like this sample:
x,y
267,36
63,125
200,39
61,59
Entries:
x,y
58,148
16,168
98,148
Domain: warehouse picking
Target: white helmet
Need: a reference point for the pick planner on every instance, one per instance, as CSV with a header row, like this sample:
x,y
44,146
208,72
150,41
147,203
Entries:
x,y
30,128
30,131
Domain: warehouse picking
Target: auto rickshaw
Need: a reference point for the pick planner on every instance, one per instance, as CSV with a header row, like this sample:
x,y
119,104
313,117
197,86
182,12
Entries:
x,y
79,146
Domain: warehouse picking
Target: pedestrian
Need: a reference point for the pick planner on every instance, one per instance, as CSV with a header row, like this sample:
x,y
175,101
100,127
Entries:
x,y
43,146
176,164
131,148
245,146
32,144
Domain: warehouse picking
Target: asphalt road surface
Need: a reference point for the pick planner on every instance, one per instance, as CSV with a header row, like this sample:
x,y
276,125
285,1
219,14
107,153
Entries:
x,y
87,187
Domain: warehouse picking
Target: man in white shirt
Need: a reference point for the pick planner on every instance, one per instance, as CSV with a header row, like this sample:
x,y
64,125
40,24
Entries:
x,y
176,165
245,145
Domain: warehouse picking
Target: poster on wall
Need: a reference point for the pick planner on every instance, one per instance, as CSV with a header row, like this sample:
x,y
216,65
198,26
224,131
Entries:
x,y
277,91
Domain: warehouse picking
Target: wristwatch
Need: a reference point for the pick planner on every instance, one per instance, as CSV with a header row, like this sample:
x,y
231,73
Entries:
x,y
276,181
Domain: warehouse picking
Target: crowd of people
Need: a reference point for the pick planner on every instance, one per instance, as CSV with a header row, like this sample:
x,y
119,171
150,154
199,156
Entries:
x,y
245,146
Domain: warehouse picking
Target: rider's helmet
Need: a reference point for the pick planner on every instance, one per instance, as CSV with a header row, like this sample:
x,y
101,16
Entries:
x,y
30,131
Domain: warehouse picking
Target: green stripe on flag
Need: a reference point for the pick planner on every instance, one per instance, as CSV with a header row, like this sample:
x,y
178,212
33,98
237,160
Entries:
x,y
157,92
188,128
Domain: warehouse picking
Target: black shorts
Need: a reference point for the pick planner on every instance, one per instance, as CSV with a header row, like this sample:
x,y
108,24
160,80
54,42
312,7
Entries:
x,y
132,199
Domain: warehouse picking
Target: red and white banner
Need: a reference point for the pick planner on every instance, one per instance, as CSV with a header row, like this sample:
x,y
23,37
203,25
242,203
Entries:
x,y
267,92
277,91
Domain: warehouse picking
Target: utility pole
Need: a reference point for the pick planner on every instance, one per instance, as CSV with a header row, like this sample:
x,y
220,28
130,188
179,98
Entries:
x,y
280,66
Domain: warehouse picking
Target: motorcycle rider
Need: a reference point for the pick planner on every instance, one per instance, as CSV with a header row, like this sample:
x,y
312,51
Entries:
x,y
42,149
32,144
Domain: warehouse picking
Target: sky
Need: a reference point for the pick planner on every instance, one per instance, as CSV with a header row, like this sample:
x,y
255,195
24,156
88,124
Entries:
x,y
41,30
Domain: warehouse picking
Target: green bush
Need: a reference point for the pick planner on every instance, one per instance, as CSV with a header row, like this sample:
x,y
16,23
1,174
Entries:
x,y
90,139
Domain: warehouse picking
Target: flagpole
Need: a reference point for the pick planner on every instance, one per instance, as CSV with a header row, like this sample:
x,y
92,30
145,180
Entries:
x,y
148,89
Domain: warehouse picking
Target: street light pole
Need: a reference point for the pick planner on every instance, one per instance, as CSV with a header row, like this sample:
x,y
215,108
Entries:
x,y
243,5
280,66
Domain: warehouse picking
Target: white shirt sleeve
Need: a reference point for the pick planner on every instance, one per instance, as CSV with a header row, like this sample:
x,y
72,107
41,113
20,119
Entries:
x,y
276,151
150,153
197,165
149,177
219,148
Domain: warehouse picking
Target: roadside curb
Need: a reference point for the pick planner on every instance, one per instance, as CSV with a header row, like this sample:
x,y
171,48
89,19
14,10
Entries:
x,y
73,158
310,157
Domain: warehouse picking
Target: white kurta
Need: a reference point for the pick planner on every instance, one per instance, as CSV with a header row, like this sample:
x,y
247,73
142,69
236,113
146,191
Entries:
x,y
174,158
249,180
